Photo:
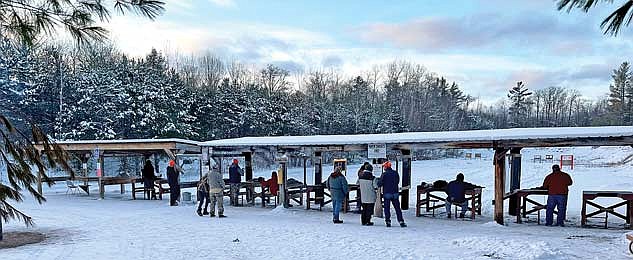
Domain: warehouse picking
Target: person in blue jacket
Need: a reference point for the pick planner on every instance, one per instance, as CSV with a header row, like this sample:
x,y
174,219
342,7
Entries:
x,y
235,180
389,182
456,191
337,185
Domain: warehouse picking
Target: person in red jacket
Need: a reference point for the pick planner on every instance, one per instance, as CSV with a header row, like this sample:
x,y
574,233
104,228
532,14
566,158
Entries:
x,y
272,184
557,185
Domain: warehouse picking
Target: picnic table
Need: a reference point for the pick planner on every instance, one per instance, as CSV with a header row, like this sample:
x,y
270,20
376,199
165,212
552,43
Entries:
x,y
321,201
524,202
105,181
431,198
163,186
588,198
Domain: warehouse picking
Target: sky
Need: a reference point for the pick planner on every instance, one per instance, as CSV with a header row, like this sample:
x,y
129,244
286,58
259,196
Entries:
x,y
486,46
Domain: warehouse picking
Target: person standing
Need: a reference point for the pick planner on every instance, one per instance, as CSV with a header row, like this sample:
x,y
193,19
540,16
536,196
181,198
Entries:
x,y
203,195
557,185
337,185
216,191
174,185
389,182
367,184
148,180
235,180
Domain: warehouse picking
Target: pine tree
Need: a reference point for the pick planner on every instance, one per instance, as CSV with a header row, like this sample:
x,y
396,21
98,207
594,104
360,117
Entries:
x,y
620,95
519,105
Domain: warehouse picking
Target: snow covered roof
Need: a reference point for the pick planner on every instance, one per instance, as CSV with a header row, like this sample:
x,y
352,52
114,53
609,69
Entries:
x,y
481,137
130,141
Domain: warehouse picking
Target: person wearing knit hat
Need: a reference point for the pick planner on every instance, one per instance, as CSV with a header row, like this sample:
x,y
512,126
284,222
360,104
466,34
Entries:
x,y
235,180
389,182
174,185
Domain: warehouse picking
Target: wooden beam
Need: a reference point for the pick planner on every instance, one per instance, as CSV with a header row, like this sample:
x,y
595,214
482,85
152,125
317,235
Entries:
x,y
406,178
499,162
248,165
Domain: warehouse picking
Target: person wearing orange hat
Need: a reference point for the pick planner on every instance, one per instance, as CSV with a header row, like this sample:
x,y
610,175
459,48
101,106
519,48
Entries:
x,y
389,182
235,180
174,185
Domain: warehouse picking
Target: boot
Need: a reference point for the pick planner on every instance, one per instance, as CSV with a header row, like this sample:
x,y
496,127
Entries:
x,y
370,223
461,215
388,223
205,212
199,211
221,216
336,221
212,214
402,224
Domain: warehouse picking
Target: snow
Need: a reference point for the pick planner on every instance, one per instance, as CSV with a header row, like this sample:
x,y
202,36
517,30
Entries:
x,y
516,134
82,227
130,141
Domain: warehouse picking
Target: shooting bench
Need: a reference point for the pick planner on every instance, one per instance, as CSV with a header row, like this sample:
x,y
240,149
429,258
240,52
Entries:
x,y
588,198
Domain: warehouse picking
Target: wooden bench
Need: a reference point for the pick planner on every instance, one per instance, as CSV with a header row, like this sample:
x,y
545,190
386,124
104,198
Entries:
x,y
163,186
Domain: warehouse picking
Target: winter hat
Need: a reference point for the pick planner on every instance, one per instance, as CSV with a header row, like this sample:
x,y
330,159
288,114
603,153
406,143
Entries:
x,y
387,164
555,167
235,161
368,167
460,177
172,163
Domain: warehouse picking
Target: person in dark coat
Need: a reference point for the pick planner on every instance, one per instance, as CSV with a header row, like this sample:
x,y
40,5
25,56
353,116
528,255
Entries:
x,y
389,181
148,180
174,186
557,185
235,180
367,186
456,194
203,195
337,185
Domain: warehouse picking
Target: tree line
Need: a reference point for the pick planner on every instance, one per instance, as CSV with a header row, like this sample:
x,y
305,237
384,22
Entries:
x,y
97,92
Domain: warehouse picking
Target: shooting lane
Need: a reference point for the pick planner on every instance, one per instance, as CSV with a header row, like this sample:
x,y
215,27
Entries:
x,y
501,141
100,150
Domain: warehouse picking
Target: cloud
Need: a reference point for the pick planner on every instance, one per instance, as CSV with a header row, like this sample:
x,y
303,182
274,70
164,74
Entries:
x,y
331,61
223,3
477,31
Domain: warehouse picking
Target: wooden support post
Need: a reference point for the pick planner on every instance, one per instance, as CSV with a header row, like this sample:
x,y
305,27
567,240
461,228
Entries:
x,y
406,179
305,171
515,180
318,177
500,165
248,165
101,172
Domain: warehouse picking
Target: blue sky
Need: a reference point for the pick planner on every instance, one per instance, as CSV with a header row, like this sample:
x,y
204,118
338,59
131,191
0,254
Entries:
x,y
484,45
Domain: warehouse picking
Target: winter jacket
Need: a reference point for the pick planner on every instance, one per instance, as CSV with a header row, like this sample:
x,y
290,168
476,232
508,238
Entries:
x,y
235,174
368,185
456,191
172,176
203,185
216,183
337,185
272,185
389,181
557,183
148,173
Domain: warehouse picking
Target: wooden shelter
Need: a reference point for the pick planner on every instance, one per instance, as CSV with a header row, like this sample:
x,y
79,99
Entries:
x,y
85,149
503,141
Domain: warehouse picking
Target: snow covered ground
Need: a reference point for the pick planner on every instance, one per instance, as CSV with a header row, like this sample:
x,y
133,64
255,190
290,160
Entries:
x,y
82,227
